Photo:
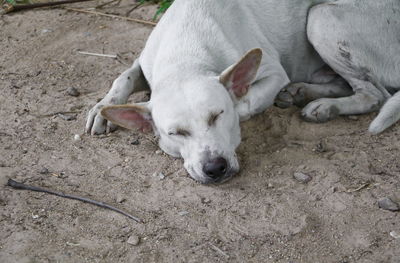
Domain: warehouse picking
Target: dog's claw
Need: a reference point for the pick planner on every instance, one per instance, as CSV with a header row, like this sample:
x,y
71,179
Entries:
x,y
284,100
110,127
96,124
320,111
293,94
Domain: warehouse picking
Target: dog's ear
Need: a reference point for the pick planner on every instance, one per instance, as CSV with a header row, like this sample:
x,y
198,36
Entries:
x,y
135,117
238,77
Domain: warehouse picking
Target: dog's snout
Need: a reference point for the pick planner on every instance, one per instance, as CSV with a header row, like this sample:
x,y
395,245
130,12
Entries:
x,y
216,168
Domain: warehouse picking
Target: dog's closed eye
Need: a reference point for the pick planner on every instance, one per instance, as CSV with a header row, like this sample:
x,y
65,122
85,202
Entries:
x,y
180,132
213,118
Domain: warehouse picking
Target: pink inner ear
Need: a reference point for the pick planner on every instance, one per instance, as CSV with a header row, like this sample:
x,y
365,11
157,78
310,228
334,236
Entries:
x,y
133,119
242,77
240,90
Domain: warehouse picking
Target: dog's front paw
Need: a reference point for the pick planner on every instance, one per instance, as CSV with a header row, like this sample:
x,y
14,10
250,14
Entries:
x,y
293,94
95,123
321,110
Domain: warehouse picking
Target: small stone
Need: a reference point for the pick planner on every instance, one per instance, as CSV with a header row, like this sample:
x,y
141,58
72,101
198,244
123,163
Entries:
x,y
120,198
158,152
270,185
161,176
321,147
44,170
388,204
205,200
44,31
353,117
303,178
77,137
395,235
133,240
71,91
67,117
135,142
183,213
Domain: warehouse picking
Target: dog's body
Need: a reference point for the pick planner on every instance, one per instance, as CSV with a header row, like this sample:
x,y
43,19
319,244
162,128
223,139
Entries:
x,y
200,86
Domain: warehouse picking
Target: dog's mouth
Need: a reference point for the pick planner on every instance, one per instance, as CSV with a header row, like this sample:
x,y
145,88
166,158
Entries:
x,y
208,180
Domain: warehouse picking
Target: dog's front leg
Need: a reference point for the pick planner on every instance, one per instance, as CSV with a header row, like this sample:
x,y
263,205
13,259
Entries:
x,y
132,80
261,95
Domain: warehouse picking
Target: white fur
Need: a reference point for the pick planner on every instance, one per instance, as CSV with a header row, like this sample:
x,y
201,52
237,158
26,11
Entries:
x,y
197,40
388,115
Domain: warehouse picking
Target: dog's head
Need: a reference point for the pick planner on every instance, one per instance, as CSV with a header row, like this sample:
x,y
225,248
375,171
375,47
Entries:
x,y
196,120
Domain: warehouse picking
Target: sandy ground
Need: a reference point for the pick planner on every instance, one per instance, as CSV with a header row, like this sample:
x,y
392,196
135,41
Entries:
x,y
262,215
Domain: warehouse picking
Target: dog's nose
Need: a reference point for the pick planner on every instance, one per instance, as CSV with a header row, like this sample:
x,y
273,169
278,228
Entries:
x,y
216,168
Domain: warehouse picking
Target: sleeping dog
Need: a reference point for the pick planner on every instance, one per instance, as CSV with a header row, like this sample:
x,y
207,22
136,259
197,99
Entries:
x,y
210,64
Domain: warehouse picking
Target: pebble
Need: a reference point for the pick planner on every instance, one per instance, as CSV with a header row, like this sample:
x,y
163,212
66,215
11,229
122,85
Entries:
x,y
133,240
44,31
303,178
353,117
71,91
135,142
44,170
388,204
158,152
161,176
77,137
321,147
205,200
120,198
395,235
66,117
183,213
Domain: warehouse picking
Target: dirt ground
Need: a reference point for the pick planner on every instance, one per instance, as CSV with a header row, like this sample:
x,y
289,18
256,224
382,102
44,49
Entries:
x,y
262,215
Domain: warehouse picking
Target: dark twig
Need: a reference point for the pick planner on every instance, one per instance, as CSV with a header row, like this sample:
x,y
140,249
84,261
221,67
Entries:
x,y
107,3
112,16
21,186
132,9
8,8
54,114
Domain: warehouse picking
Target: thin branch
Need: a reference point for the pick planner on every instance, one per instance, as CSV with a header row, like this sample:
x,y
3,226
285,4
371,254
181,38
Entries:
x,y
133,8
54,114
112,16
97,54
8,8
21,186
217,249
107,3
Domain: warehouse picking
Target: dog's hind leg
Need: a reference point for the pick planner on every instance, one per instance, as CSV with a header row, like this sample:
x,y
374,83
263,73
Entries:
x,y
325,109
131,80
301,93
350,41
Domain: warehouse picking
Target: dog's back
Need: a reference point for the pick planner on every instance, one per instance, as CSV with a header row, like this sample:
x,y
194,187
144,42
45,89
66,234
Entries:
x,y
217,33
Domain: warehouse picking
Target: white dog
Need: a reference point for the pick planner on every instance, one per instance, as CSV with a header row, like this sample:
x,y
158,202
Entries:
x,y
210,63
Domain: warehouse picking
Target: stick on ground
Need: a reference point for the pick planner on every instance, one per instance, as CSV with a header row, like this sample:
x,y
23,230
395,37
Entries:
x,y
112,16
97,54
21,186
8,8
